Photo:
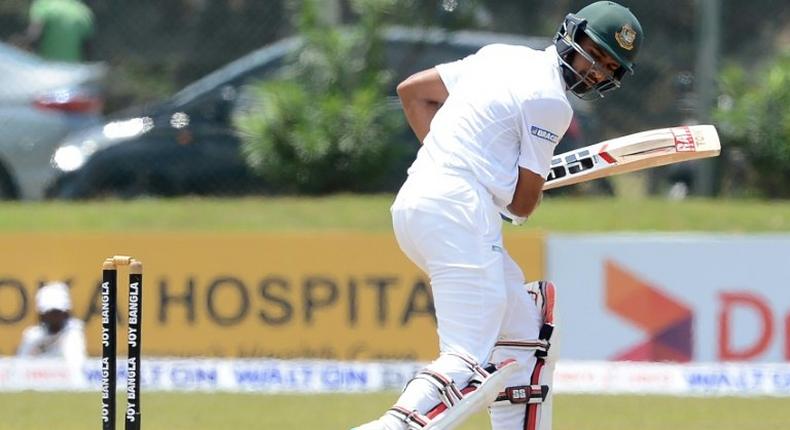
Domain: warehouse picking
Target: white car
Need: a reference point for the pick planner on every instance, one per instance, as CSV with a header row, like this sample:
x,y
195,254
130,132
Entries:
x,y
40,103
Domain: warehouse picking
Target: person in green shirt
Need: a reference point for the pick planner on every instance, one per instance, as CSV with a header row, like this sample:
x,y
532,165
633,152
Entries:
x,y
60,30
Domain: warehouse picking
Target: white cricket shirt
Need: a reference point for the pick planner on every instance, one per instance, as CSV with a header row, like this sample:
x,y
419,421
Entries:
x,y
68,344
506,108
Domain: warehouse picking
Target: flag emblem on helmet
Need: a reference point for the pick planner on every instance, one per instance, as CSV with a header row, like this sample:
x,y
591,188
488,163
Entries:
x,y
626,37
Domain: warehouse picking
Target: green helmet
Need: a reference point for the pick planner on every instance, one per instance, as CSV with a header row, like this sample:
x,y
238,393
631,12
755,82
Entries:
x,y
612,27
615,29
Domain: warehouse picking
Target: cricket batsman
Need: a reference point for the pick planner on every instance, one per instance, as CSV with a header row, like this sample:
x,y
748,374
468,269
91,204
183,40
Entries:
x,y
489,124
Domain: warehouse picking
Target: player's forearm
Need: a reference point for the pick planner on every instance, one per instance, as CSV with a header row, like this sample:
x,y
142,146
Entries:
x,y
528,193
523,206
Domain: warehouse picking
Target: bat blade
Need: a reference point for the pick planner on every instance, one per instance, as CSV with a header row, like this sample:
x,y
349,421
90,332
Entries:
x,y
633,152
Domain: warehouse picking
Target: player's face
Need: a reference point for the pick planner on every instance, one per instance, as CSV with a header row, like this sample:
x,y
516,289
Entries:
x,y
54,320
598,67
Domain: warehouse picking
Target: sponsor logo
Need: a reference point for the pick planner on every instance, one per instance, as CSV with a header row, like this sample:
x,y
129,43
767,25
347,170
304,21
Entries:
x,y
518,394
544,134
666,321
626,37
684,140
575,163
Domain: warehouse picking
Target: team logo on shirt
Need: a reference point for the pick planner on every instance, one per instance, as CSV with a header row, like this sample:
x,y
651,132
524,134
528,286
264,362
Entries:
x,y
544,134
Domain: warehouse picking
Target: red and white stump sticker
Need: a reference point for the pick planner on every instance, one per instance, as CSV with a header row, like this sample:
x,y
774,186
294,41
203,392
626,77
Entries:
x,y
684,140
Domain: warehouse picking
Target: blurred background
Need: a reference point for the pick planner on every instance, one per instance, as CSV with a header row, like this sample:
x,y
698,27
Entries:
x,y
247,151
180,71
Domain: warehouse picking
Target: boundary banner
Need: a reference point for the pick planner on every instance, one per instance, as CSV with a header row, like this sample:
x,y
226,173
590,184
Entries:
x,y
672,297
324,295
326,376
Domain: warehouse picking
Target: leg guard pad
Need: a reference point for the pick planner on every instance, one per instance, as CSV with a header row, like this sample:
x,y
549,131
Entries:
x,y
526,401
457,404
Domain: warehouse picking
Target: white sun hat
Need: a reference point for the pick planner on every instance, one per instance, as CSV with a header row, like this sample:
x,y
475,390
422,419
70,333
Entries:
x,y
53,295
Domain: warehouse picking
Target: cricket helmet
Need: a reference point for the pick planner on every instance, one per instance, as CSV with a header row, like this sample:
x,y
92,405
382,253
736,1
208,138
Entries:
x,y
612,27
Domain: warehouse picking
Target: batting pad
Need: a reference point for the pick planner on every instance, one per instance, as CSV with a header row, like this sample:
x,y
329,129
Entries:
x,y
478,399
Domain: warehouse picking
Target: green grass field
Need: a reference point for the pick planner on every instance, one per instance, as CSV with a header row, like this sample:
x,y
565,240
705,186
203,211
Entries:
x,y
371,213
165,411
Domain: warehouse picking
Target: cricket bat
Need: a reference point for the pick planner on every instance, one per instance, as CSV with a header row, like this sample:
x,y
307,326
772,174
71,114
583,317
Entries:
x,y
633,152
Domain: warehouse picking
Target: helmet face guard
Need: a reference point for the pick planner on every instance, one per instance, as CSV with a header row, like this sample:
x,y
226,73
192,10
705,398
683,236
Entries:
x,y
567,42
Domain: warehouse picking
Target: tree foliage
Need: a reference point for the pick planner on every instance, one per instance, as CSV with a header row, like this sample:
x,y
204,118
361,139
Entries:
x,y
754,117
325,125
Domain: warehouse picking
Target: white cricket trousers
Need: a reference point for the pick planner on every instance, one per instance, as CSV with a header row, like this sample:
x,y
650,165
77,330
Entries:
x,y
449,226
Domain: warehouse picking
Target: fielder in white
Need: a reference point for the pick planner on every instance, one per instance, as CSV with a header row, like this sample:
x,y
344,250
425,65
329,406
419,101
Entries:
x,y
489,124
58,334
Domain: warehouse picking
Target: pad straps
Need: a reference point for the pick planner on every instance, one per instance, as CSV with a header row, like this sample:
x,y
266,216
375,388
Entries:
x,y
449,393
413,419
540,346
